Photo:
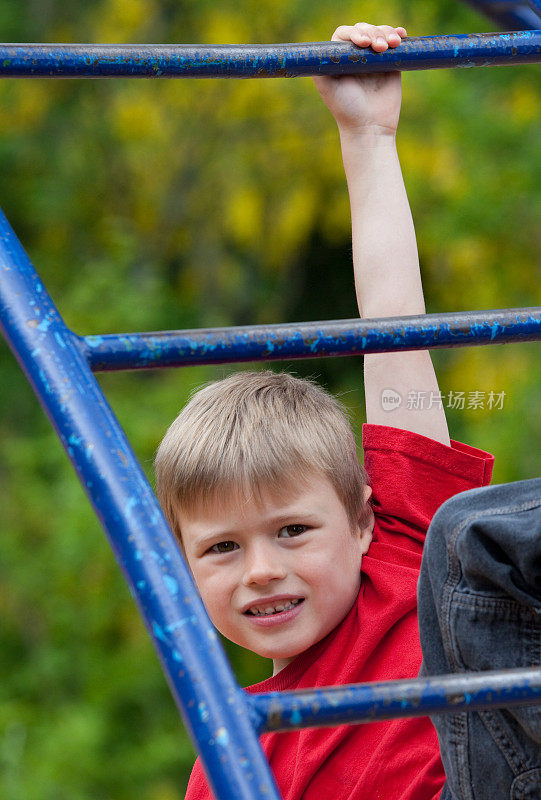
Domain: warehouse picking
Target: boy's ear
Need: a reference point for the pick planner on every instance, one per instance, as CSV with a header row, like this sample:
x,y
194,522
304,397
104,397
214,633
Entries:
x,y
367,527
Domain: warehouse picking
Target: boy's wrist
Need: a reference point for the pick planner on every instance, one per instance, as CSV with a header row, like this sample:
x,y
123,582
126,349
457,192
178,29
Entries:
x,y
368,137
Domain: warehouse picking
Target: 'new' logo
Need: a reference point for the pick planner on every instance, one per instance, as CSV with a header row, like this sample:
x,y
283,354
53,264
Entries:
x,y
390,400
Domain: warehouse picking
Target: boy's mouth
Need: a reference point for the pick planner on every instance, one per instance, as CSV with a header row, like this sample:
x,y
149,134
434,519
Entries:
x,y
271,609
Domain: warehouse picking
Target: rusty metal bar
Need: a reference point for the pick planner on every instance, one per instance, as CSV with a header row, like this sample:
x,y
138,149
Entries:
x,y
368,702
345,337
265,61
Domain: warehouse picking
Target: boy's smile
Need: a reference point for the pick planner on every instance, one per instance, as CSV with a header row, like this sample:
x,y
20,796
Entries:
x,y
277,574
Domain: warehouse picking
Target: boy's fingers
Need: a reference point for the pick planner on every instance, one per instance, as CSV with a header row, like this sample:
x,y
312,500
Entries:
x,y
342,34
353,33
379,37
393,35
367,35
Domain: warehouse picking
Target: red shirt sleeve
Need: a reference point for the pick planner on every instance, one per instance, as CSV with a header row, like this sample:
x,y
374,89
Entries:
x,y
198,788
412,475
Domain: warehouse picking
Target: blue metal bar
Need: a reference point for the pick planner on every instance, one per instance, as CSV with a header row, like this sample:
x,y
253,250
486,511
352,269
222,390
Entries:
x,y
511,15
442,694
265,61
309,339
213,706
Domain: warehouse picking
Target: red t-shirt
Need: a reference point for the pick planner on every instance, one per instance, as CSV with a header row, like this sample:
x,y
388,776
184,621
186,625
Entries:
x,y
411,477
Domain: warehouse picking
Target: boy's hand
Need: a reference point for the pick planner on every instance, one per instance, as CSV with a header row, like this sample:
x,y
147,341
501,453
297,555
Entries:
x,y
366,103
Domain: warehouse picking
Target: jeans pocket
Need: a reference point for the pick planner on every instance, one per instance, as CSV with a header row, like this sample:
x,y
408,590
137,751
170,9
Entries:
x,y
527,786
492,633
496,753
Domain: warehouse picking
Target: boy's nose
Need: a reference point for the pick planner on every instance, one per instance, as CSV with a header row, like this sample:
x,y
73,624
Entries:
x,y
263,566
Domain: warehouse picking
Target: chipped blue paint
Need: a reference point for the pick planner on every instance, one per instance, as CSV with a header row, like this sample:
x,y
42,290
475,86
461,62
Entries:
x,y
44,381
158,633
173,626
93,341
171,584
203,712
333,700
131,502
265,61
445,694
44,324
312,339
190,620
222,737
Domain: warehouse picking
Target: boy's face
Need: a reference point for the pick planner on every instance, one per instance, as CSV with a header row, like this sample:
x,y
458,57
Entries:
x,y
293,555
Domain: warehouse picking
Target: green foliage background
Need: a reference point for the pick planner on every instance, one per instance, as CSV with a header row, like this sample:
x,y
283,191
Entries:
x,y
151,205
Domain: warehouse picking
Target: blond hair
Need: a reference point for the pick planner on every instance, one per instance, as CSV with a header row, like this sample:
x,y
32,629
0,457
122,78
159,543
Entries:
x,y
253,431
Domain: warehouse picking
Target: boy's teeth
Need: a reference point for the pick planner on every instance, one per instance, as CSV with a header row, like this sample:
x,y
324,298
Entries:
x,y
266,610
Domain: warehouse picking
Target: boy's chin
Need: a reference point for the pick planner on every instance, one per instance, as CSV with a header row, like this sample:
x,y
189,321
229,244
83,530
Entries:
x,y
282,654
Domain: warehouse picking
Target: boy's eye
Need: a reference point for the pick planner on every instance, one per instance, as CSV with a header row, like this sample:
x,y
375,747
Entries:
x,y
223,547
292,530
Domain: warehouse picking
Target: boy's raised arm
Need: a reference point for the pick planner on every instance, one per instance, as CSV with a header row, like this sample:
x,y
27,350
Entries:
x,y
387,275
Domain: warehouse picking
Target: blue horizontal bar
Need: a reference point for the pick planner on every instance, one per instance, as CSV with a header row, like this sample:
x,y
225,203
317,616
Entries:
x,y
309,339
358,703
265,61
516,16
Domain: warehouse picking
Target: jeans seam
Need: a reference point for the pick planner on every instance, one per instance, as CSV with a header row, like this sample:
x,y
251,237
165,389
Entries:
x,y
490,602
460,724
537,639
493,723
453,576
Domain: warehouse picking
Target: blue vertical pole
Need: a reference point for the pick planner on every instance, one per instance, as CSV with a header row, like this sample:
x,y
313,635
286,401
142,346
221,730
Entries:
x,y
214,707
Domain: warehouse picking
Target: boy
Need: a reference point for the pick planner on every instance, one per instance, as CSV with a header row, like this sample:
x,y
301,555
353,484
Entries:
x,y
295,555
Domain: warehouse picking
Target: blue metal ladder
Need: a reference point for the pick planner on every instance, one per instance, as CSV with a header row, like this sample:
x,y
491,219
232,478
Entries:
x,y
59,365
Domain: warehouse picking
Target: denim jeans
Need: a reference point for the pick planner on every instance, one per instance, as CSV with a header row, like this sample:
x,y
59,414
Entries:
x,y
480,609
